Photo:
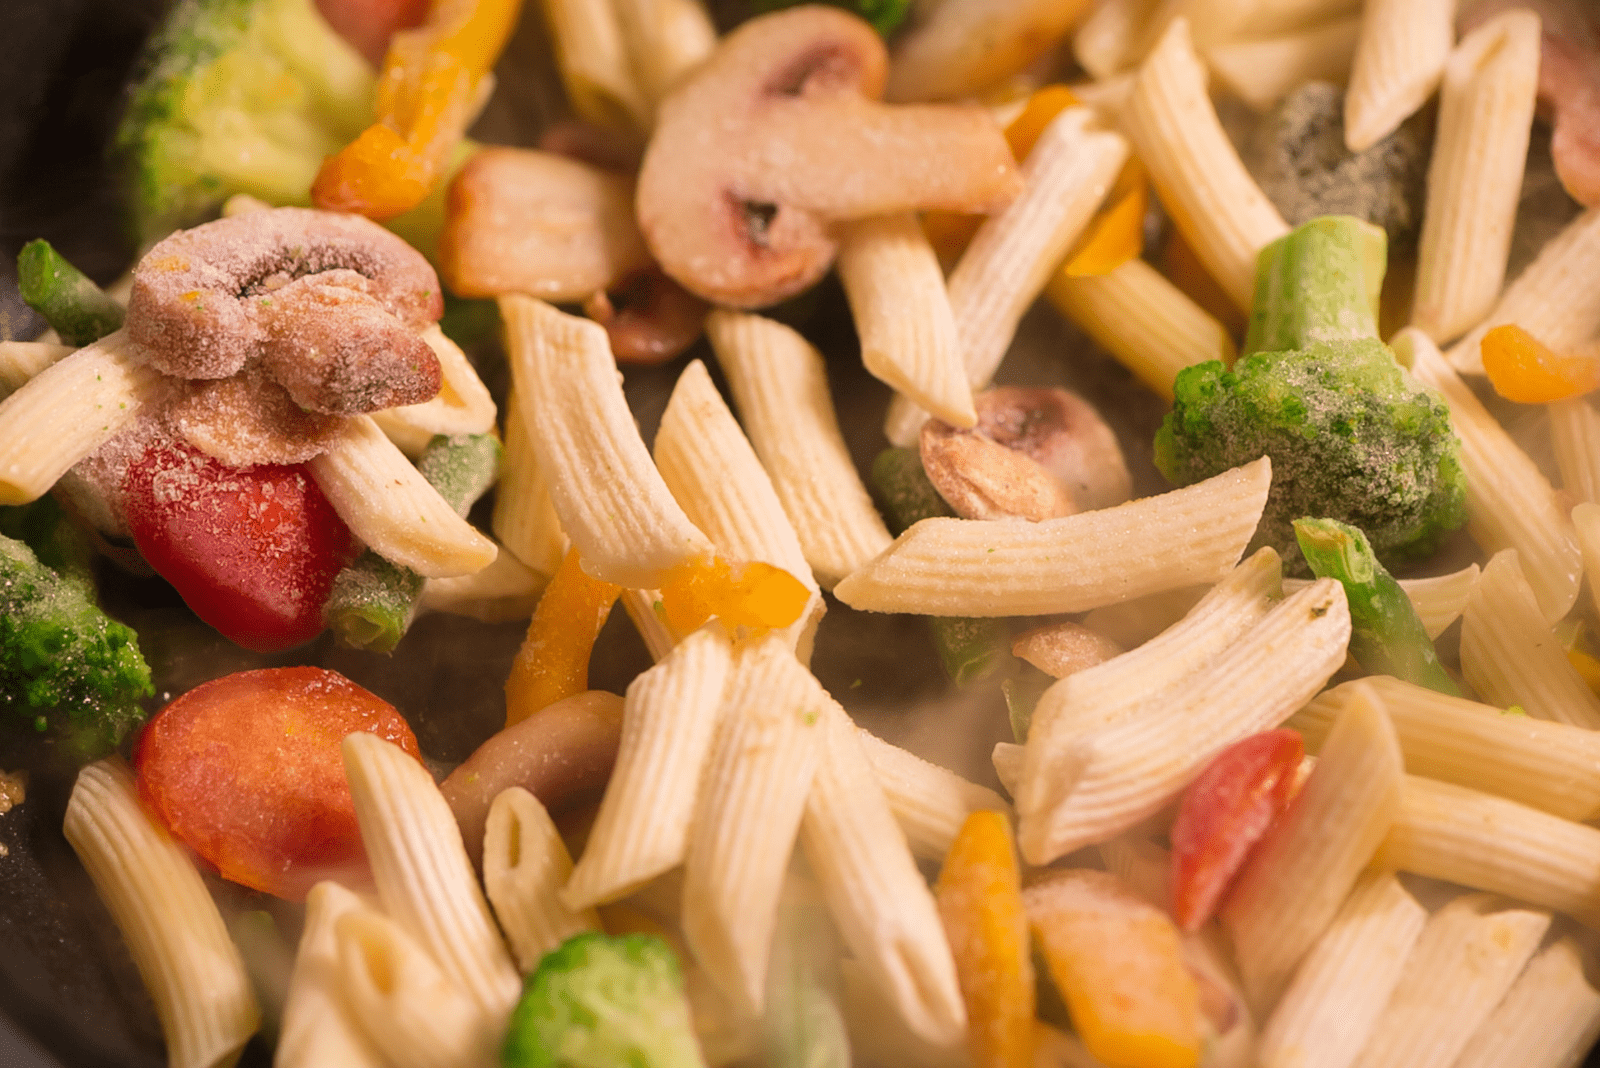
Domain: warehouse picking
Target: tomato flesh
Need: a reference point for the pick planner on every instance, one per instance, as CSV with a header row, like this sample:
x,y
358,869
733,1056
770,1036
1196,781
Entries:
x,y
1223,814
252,550
246,770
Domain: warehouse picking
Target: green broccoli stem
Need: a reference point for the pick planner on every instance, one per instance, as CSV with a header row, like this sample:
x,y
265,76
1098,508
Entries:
x,y
373,601
1386,635
1022,693
1316,284
969,648
70,302
64,664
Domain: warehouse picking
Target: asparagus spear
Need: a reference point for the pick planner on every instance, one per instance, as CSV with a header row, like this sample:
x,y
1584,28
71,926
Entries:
x,y
968,648
373,601
1386,636
70,302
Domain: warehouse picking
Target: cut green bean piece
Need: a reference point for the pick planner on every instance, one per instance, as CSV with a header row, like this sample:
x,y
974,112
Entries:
x,y
70,302
373,601
970,649
1022,693
1386,635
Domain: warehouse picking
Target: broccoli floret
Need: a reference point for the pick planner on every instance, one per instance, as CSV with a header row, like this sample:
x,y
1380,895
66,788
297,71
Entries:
x,y
884,15
238,96
1351,434
599,1001
63,662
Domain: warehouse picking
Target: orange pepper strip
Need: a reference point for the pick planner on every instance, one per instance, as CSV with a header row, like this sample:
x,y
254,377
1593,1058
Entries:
x,y
949,232
1118,963
1116,233
980,901
427,95
553,662
1523,369
752,594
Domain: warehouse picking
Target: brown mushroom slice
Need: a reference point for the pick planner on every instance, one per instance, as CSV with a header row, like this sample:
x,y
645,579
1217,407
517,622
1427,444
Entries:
x,y
248,419
1063,649
779,133
562,754
649,317
522,221
1034,454
202,299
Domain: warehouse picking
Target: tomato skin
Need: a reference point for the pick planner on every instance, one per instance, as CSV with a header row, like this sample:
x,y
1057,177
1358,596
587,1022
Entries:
x,y
246,770
368,24
253,550
1223,814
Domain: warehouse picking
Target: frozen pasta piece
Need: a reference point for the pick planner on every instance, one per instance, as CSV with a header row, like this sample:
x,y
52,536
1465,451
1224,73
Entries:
x,y
317,1027
21,360
1575,434
1548,1018
525,864
961,46
664,39
524,517
1103,44
1399,60
593,60
1262,71
930,802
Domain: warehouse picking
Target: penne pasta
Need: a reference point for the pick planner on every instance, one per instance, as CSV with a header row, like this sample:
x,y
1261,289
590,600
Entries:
x,y
1262,71
1488,843
1464,962
1548,1019
463,405
317,1028
748,816
902,314
1586,521
1399,60
1509,655
1108,778
780,385
525,864
1575,434
607,493
877,897
174,932
1550,766
424,879
68,410
505,590
1214,202
524,516
959,47
644,611
1553,298
961,567
665,39
1298,874
1510,504
593,60
386,502
669,720
1339,991
1143,320
1475,175
22,360
929,802
1103,44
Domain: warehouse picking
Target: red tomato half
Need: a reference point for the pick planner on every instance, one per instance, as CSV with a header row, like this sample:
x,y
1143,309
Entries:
x,y
252,550
1223,814
246,771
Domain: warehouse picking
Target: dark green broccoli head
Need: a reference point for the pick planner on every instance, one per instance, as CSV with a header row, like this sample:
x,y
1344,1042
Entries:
x,y
598,1001
64,664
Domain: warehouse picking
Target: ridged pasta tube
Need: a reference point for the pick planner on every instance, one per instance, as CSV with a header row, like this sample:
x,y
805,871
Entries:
x,y
1399,60
525,864
317,1028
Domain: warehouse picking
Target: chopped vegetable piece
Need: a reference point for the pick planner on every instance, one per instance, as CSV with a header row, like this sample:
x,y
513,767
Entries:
x,y
58,542
1523,369
1351,434
1118,963
1223,813
980,901
63,662
553,662
253,550
1386,635
246,770
752,594
428,93
602,1001
1022,693
373,601
1116,233
70,302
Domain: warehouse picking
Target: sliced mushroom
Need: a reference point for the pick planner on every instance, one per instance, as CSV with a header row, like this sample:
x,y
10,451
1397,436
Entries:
x,y
1034,454
521,221
248,419
781,132
1064,648
562,754
649,317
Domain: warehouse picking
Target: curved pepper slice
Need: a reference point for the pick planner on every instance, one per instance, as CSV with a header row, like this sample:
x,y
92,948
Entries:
x,y
432,82
553,662
752,594
1523,369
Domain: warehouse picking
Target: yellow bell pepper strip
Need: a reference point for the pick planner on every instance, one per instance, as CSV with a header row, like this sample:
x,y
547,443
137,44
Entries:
x,y
428,93
752,594
980,901
553,662
1117,961
1523,369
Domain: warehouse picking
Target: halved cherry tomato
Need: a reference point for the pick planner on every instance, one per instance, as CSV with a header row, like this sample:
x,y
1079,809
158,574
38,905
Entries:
x,y
368,24
1223,814
246,771
252,550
